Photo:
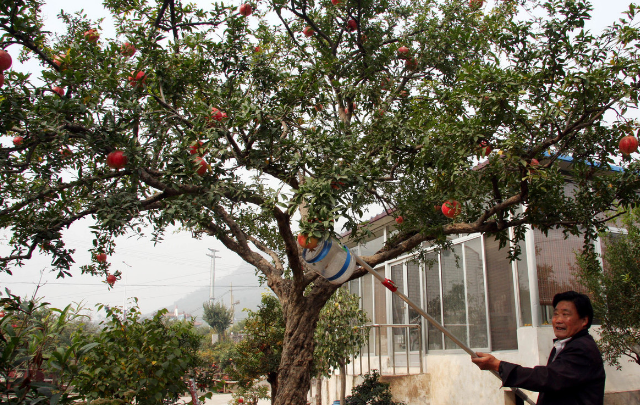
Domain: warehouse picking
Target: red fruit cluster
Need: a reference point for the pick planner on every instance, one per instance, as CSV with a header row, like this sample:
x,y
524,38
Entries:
x,y
399,219
138,79
403,52
5,63
117,160
245,9
628,145
127,49
101,257
111,279
92,35
451,208
17,141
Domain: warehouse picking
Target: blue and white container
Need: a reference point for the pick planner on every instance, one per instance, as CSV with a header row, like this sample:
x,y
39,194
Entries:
x,y
331,260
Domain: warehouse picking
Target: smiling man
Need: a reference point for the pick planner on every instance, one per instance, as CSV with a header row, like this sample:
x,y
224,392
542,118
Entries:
x,y
574,373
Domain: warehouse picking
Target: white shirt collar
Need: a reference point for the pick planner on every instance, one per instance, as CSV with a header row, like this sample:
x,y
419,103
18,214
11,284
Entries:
x,y
559,345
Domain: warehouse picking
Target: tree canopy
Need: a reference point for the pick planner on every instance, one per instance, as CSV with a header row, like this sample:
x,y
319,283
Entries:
x,y
613,281
248,127
218,316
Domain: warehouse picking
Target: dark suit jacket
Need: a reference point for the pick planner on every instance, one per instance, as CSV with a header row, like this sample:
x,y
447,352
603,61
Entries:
x,y
575,377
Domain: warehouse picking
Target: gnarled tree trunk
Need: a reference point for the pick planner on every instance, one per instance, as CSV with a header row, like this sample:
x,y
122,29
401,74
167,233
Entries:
x,y
301,316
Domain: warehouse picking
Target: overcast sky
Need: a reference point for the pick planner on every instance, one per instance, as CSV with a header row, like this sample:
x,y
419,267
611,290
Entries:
x,y
158,275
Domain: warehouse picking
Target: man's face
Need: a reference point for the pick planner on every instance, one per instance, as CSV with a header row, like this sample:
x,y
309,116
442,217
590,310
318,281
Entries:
x,y
566,321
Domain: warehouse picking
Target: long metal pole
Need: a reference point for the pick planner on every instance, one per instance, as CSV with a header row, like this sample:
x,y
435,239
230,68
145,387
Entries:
x,y
435,323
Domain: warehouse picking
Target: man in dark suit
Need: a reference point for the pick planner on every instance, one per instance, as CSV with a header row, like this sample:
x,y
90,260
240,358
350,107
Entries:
x,y
574,373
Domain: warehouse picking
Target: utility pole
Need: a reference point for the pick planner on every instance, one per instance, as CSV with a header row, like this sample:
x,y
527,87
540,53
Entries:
x,y
233,305
124,304
213,272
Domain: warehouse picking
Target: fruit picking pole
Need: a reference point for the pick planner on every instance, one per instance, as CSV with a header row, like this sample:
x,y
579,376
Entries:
x,y
392,287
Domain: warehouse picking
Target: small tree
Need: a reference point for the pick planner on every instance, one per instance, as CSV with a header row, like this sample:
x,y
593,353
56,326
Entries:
x,y
36,340
218,316
141,360
339,335
259,353
615,291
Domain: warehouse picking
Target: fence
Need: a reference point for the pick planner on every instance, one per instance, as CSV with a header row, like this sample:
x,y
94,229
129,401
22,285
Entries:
x,y
403,353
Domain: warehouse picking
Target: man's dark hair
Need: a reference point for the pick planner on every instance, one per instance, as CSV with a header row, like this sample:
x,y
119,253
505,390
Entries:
x,y
581,301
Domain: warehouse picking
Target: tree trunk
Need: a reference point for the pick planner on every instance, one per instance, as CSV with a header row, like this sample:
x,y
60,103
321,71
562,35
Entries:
x,y
272,379
319,391
294,378
343,382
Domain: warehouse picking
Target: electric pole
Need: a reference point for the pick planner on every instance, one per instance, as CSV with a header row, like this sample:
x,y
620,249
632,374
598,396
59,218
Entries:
x,y
213,272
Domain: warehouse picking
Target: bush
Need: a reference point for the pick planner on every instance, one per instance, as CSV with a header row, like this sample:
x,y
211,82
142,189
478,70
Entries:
x,y
371,392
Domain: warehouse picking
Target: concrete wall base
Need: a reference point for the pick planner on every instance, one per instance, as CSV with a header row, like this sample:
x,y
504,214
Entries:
x,y
622,398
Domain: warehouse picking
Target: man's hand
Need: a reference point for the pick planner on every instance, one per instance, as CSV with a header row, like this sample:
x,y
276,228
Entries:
x,y
486,361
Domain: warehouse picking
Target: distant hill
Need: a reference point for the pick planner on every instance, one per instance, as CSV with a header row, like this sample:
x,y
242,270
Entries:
x,y
246,290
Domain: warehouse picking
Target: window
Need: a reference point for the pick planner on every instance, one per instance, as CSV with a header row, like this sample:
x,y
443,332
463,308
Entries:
x,y
434,304
555,262
455,296
502,308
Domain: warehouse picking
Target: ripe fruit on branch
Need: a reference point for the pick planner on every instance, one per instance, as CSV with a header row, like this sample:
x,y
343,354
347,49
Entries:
x,y
59,90
403,52
17,141
194,148
628,144
336,2
257,49
217,114
138,79
245,9
308,31
451,208
117,160
399,219
485,148
111,279
101,257
352,25
411,64
127,49
475,4
5,60
307,242
92,35
202,166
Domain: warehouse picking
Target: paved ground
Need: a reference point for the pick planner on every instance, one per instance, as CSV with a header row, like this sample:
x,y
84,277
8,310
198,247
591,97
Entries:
x,y
222,399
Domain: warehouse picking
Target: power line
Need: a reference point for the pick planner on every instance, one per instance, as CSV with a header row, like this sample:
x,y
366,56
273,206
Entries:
x,y
130,285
